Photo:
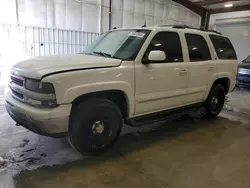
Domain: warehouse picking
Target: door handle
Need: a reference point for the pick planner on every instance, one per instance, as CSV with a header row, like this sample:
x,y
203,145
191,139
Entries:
x,y
151,70
210,69
183,72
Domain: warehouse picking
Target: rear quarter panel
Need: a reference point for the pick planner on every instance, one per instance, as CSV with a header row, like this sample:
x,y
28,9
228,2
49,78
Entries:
x,y
224,69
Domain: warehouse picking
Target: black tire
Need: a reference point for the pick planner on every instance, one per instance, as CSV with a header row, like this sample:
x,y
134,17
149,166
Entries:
x,y
95,125
214,102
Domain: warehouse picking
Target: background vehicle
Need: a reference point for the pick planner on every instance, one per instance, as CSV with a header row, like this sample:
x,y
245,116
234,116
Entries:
x,y
243,77
133,75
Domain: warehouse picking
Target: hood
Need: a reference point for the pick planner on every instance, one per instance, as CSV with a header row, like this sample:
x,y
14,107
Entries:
x,y
244,65
38,67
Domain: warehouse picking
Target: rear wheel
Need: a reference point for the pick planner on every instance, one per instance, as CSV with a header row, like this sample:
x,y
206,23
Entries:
x,y
95,125
215,102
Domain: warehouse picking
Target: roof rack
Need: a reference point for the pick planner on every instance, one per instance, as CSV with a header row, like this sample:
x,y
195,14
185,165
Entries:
x,y
188,27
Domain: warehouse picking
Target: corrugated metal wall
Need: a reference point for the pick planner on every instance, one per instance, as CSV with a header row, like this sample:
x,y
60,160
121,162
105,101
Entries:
x,y
20,42
38,41
93,15
131,13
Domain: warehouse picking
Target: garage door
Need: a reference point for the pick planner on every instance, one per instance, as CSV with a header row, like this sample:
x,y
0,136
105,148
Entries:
x,y
239,34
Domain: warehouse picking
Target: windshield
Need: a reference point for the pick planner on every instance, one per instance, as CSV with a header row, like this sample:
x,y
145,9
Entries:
x,y
247,60
120,44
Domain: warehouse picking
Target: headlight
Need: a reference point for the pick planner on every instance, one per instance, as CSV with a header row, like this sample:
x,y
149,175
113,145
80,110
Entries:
x,y
41,94
39,87
243,71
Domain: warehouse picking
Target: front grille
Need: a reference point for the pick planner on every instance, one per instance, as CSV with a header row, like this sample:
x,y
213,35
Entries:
x,y
17,94
17,81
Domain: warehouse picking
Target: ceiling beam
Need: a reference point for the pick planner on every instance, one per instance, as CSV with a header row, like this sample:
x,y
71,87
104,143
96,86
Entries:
x,y
212,2
232,9
192,6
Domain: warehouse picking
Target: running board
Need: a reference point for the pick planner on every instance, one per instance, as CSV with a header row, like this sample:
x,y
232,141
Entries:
x,y
163,115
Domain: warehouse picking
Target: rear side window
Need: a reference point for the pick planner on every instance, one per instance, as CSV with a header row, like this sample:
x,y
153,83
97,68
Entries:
x,y
223,47
197,48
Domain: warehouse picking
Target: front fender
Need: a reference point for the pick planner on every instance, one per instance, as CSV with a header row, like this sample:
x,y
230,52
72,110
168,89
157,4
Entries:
x,y
72,93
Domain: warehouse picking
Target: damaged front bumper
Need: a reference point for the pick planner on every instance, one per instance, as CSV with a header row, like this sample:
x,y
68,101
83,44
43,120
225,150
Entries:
x,y
52,122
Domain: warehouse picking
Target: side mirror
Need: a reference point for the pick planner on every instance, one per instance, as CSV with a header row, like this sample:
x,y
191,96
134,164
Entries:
x,y
157,56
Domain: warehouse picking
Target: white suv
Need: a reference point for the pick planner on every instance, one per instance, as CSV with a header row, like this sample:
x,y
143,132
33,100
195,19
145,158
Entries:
x,y
128,75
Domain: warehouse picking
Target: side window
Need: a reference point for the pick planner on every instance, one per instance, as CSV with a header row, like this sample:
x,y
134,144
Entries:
x,y
169,42
223,47
197,48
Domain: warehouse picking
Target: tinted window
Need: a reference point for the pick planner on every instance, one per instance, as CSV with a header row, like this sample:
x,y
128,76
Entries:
x,y
197,48
169,42
223,47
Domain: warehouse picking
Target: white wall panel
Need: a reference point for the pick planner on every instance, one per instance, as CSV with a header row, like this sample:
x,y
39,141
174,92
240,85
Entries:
x,y
139,6
74,15
93,2
93,15
139,19
118,4
159,1
60,13
188,18
158,10
105,19
50,14
174,12
30,14
117,18
105,3
128,19
154,12
90,18
182,14
149,20
158,21
149,7
229,15
128,5
166,11
7,11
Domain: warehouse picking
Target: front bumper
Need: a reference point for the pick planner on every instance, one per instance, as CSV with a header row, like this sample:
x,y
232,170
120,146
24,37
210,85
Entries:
x,y
243,80
48,122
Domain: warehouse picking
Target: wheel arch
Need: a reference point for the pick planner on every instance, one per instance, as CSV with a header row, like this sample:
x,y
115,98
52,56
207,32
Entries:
x,y
119,97
224,81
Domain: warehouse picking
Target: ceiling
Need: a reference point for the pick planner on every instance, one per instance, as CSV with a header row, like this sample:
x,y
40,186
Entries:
x,y
219,4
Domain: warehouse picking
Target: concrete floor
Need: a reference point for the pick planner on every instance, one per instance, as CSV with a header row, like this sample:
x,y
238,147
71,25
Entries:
x,y
188,152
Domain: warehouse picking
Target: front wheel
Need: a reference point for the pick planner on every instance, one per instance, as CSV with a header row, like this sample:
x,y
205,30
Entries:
x,y
95,125
215,102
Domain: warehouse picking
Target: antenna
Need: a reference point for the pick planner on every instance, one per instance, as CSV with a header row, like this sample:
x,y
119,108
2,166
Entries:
x,y
145,24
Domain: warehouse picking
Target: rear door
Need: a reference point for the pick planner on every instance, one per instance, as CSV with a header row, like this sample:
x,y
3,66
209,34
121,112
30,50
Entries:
x,y
201,67
226,63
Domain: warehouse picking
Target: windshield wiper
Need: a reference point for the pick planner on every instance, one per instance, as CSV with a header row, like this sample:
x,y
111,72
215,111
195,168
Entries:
x,y
102,54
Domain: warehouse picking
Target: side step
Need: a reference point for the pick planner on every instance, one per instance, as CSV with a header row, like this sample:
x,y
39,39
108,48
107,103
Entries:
x,y
163,115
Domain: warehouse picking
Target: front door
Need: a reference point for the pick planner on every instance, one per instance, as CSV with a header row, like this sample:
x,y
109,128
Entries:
x,y
161,85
